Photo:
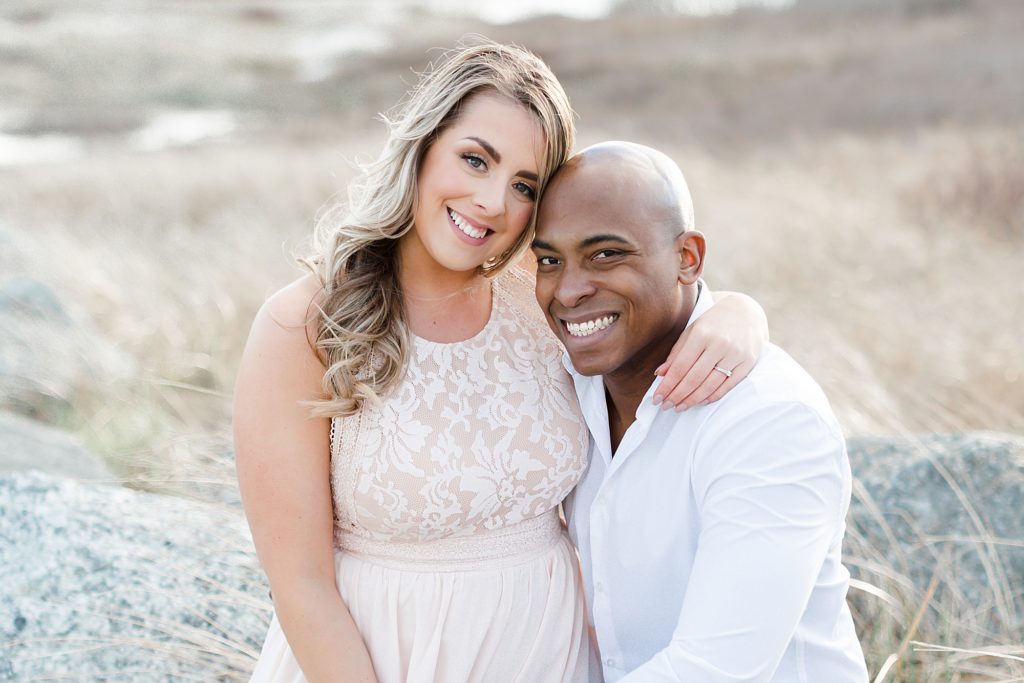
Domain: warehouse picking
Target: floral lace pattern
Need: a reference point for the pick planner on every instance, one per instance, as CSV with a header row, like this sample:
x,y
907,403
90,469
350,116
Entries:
x,y
480,434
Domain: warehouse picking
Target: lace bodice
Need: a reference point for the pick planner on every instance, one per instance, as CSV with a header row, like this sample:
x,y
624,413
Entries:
x,y
480,434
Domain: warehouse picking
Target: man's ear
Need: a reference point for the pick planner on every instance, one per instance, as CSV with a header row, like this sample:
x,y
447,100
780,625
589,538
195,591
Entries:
x,y
690,246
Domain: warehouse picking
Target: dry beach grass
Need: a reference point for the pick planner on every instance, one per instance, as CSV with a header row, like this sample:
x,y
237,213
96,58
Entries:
x,y
857,170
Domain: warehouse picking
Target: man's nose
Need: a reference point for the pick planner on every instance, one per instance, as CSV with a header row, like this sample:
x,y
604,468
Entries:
x,y
574,286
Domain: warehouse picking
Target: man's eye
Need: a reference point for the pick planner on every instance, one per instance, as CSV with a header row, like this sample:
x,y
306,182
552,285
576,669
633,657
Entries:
x,y
474,161
606,253
547,261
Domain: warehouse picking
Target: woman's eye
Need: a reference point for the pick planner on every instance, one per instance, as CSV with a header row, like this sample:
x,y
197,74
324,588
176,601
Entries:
x,y
525,190
474,161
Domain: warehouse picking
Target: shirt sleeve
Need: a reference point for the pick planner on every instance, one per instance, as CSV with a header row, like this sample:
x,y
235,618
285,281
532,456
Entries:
x,y
772,489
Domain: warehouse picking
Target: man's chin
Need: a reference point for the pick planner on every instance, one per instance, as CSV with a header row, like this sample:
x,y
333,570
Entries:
x,y
590,363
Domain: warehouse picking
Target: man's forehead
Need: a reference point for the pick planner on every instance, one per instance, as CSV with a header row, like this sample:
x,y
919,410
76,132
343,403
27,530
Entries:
x,y
605,190
577,210
594,189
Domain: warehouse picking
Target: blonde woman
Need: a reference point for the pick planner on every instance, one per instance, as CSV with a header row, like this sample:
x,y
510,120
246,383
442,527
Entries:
x,y
404,428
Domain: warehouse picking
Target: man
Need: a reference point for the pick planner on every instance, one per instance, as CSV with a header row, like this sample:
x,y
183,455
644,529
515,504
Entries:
x,y
710,539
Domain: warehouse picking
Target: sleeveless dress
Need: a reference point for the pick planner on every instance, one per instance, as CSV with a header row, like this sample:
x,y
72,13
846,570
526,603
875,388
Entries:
x,y
449,550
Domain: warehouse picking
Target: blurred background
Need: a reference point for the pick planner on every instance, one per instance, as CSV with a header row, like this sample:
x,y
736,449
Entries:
x,y
857,166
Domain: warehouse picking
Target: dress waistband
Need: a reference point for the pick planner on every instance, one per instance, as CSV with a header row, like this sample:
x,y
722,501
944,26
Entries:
x,y
490,547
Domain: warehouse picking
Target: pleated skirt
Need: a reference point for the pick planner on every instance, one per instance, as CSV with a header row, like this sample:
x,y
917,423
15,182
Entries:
x,y
503,605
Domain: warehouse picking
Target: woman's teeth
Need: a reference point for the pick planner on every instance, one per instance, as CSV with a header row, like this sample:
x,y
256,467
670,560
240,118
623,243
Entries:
x,y
465,227
590,327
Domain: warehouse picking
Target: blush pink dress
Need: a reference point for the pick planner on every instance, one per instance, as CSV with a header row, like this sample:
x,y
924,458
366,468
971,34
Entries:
x,y
449,550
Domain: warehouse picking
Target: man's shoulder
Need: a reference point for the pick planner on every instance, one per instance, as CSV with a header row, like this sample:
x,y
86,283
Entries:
x,y
777,382
777,376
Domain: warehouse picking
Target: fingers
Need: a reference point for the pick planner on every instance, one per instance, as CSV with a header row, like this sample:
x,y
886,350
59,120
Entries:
x,y
709,384
677,371
701,381
689,374
738,373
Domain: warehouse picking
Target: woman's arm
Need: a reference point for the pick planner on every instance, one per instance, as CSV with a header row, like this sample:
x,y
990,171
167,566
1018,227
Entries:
x,y
283,461
730,335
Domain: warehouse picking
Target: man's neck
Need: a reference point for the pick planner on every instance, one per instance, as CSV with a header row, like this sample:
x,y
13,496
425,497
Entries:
x,y
626,387
622,406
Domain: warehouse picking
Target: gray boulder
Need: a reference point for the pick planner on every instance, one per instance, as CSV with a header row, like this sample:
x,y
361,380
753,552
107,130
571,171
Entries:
x,y
105,583
27,444
944,507
101,582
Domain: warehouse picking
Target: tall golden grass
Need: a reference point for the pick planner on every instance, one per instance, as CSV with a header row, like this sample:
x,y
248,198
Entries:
x,y
882,231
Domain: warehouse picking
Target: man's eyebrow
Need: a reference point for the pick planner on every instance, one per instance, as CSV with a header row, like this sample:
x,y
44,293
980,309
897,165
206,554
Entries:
x,y
489,148
596,239
587,242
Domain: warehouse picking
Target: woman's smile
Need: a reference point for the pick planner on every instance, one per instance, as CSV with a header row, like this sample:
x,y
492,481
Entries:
x,y
471,231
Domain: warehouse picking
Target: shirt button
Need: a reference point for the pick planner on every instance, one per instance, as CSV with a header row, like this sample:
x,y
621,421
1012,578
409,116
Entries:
x,y
610,662
599,587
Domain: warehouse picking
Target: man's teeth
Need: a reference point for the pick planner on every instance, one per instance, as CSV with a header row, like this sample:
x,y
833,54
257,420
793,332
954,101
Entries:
x,y
465,227
590,327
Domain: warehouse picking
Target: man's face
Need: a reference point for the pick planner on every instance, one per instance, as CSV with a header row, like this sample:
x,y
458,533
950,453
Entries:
x,y
608,271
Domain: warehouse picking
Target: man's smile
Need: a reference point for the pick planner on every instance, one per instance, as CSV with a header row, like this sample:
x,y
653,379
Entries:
x,y
588,326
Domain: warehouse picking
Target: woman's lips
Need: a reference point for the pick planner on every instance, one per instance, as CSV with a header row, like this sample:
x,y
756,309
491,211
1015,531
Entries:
x,y
465,228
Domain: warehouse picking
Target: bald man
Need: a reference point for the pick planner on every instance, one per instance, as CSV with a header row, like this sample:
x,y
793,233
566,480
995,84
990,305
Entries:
x,y
710,539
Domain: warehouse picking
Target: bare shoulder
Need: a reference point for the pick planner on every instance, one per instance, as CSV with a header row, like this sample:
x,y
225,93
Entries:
x,y
294,306
281,333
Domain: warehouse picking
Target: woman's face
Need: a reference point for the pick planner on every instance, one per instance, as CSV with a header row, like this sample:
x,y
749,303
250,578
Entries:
x,y
477,183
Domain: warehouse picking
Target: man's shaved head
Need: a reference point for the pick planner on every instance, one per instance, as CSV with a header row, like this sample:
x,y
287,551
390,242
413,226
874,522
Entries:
x,y
642,177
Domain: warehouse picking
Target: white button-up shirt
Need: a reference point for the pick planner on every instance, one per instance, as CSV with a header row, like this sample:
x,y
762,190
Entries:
x,y
711,542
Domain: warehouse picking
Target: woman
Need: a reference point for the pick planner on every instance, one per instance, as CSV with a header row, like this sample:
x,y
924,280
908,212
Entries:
x,y
414,535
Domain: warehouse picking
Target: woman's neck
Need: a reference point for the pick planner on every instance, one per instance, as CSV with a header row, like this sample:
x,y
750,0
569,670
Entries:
x,y
441,305
420,275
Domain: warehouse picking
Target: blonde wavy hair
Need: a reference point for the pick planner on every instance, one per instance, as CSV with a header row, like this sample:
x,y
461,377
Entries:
x,y
361,334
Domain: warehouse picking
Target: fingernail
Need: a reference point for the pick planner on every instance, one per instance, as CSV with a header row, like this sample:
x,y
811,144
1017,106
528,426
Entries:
x,y
660,369
657,400
681,407
668,405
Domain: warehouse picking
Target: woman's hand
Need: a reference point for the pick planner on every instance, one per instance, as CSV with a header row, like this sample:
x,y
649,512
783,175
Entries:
x,y
714,353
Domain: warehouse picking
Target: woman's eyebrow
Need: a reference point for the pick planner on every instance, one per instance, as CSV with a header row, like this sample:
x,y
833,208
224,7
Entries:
x,y
487,147
529,175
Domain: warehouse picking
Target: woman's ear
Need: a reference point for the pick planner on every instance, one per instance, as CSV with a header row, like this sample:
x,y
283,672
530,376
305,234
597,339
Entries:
x,y
690,246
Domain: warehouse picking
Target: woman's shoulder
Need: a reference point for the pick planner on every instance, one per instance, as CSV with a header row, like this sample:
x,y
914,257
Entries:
x,y
295,303
288,318
279,364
